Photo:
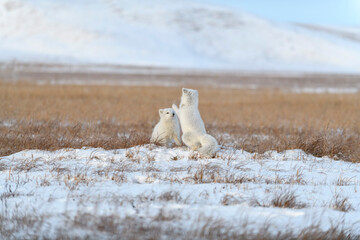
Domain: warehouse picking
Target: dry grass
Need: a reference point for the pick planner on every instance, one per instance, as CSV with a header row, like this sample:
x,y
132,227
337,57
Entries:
x,y
282,199
341,203
66,116
286,199
162,226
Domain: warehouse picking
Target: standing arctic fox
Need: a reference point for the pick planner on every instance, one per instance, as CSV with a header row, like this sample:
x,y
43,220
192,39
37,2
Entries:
x,y
167,131
192,126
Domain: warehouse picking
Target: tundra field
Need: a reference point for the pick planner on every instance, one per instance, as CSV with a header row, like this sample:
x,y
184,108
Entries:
x,y
76,163
51,117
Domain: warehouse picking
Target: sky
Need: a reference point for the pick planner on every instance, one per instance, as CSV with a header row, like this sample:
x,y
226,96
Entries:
x,y
324,12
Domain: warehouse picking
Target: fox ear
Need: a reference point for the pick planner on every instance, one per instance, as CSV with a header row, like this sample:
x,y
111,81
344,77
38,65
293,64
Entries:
x,y
161,112
185,90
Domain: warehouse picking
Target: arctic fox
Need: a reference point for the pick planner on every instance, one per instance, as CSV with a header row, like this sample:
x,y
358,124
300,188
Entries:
x,y
167,131
192,126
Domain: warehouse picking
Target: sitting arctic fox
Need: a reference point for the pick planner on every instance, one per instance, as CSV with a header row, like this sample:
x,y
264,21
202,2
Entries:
x,y
167,131
192,126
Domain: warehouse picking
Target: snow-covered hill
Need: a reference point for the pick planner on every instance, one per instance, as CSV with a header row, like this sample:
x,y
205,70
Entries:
x,y
170,33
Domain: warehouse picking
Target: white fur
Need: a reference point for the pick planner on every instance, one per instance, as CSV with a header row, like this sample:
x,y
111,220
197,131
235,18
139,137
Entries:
x,y
192,126
167,130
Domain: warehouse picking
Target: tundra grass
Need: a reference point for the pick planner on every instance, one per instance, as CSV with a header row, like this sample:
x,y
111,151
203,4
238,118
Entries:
x,y
51,117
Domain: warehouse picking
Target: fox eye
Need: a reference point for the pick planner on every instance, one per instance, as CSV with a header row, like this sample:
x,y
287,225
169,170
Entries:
x,y
167,113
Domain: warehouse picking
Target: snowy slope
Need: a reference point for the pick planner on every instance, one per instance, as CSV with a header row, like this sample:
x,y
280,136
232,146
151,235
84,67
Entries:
x,y
148,186
165,33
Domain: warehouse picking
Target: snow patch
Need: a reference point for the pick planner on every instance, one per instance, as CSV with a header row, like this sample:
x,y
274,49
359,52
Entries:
x,y
145,181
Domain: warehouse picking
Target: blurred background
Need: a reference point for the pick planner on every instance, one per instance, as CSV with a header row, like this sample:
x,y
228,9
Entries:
x,y
243,35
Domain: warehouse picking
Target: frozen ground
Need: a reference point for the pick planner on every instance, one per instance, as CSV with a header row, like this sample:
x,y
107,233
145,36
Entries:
x,y
97,74
171,33
150,191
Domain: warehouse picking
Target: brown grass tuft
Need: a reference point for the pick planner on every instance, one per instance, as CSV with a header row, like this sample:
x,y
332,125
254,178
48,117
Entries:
x,y
341,203
286,199
283,199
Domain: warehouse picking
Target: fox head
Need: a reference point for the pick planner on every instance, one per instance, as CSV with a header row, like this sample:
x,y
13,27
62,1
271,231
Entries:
x,y
167,113
190,97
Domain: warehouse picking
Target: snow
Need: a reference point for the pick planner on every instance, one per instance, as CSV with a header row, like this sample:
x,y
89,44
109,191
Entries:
x,y
170,33
147,181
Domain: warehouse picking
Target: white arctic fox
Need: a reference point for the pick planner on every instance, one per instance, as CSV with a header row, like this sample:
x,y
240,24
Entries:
x,y
167,131
192,126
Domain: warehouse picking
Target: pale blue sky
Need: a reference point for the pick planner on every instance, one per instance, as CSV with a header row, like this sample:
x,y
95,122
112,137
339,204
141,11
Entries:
x,y
326,12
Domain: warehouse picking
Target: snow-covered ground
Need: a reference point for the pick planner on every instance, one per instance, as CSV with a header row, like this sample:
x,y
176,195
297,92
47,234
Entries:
x,y
96,192
171,33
